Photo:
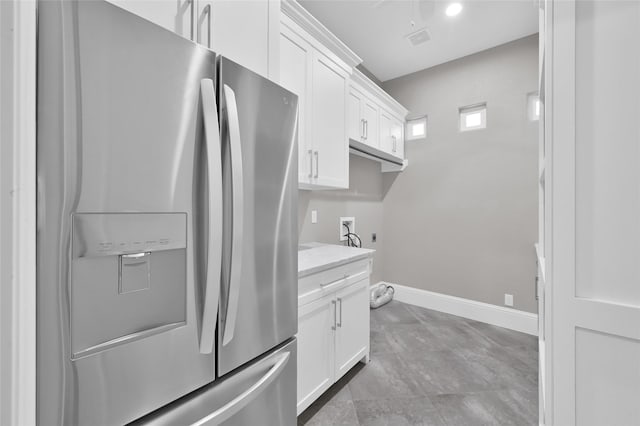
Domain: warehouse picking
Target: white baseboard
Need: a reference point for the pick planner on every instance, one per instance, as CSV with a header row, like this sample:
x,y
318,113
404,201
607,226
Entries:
x,y
512,319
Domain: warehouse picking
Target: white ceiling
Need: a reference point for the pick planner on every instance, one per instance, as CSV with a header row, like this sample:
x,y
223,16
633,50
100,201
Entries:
x,y
376,29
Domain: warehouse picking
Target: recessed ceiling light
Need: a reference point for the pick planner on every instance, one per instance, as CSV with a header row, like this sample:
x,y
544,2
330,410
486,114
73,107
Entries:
x,y
453,9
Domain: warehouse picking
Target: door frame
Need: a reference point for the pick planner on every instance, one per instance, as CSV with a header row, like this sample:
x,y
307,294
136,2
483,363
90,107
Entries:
x,y
565,311
18,212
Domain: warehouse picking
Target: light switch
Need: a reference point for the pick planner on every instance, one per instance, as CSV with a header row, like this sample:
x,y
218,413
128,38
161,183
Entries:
x,y
314,216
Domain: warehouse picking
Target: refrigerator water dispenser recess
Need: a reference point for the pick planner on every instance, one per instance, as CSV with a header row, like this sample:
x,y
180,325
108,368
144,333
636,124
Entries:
x,y
134,272
128,278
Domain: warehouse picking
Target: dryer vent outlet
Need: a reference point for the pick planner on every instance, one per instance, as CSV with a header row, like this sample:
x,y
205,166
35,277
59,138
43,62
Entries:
x,y
348,221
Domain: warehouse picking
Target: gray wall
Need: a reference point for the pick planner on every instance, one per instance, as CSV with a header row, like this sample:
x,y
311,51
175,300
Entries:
x,y
462,218
363,200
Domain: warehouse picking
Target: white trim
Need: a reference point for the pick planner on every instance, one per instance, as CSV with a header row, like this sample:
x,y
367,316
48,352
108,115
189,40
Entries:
x,y
513,319
364,84
17,212
287,22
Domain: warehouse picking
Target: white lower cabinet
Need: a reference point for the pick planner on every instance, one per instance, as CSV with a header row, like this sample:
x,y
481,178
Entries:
x,y
352,327
315,350
333,328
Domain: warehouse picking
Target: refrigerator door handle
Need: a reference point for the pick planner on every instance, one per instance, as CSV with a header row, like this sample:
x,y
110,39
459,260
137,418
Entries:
x,y
241,401
214,246
238,214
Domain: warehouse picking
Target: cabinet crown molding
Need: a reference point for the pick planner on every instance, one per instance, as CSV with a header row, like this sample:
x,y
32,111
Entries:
x,y
386,99
310,24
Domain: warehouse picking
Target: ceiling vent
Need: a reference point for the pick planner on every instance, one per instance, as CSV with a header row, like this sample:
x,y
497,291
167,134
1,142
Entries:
x,y
418,37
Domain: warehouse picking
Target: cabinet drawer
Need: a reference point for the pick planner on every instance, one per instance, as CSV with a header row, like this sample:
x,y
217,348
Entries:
x,y
317,285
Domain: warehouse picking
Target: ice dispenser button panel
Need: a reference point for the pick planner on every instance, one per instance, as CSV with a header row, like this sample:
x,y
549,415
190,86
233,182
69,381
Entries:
x,y
128,278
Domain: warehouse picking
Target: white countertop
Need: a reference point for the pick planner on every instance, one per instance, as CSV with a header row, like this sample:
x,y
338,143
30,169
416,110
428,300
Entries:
x,y
326,256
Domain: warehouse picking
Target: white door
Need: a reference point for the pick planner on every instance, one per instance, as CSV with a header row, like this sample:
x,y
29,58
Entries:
x,y
316,324
386,141
295,75
172,15
371,129
352,326
330,143
595,186
355,123
397,133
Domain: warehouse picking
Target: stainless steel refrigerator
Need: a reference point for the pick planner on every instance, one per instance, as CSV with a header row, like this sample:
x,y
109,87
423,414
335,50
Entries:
x,y
167,228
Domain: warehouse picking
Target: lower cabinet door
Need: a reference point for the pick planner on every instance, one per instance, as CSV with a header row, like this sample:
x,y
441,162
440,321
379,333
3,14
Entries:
x,y
352,326
316,323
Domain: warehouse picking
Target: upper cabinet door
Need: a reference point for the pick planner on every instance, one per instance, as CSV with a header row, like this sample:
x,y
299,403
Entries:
x,y
386,142
371,129
355,122
397,137
295,75
174,15
329,127
240,31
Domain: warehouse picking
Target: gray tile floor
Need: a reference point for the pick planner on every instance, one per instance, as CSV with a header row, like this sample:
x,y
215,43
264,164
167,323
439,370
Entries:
x,y
431,368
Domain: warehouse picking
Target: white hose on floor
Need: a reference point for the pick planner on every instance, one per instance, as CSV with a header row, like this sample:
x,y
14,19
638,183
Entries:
x,y
381,294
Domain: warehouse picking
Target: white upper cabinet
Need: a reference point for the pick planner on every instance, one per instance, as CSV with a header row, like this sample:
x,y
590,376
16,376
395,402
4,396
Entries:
x,y
246,32
241,32
362,118
370,115
376,123
355,120
296,61
320,78
176,15
386,140
391,134
397,137
329,132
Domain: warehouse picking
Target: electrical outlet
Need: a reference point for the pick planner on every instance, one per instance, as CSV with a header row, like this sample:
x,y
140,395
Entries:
x,y
508,299
350,222
374,237
314,216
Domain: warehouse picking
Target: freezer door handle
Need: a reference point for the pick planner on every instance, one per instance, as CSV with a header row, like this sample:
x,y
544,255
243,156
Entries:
x,y
214,246
238,214
241,401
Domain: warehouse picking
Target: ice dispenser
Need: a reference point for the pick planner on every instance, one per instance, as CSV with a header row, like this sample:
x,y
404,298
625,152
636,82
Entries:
x,y
128,278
